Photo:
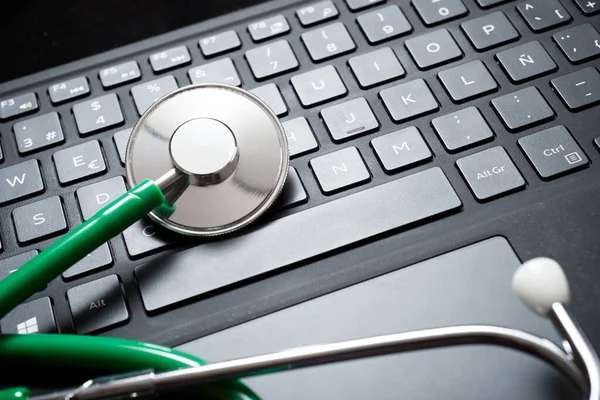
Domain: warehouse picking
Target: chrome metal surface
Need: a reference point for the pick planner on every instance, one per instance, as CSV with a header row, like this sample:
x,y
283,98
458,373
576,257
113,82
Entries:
x,y
582,351
205,149
140,386
350,350
250,188
171,180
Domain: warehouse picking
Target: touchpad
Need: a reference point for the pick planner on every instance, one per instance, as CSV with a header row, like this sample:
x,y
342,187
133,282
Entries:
x,y
470,285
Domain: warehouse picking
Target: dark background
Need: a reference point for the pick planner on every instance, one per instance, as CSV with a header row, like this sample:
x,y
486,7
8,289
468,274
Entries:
x,y
37,35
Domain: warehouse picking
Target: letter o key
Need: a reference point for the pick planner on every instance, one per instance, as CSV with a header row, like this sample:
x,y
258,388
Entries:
x,y
433,47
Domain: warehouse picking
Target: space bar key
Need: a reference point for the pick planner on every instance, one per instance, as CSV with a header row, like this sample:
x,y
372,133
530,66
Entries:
x,y
301,236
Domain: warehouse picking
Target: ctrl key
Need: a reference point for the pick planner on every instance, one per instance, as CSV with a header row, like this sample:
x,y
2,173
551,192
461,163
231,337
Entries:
x,y
553,152
34,316
98,305
490,173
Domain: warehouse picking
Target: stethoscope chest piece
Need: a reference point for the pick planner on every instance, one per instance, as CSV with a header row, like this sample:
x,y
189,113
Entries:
x,y
226,145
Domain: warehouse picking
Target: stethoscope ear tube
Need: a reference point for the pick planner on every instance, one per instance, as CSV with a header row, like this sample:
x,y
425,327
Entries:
x,y
576,359
210,374
78,243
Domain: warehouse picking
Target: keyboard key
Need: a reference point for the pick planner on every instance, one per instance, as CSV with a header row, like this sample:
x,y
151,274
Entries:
x,y
219,43
11,264
462,129
97,305
384,24
121,138
580,43
38,133
588,7
526,61
79,162
543,14
318,86
342,222
36,316
490,3
317,12
268,28
220,71
18,105
340,170
119,74
293,193
69,90
490,173
580,89
435,11
271,59
401,149
597,142
433,49
467,81
349,119
170,58
93,262
301,139
553,152
328,41
522,109
409,100
270,94
377,67
356,5
143,238
145,94
39,220
98,114
490,30
20,180
92,198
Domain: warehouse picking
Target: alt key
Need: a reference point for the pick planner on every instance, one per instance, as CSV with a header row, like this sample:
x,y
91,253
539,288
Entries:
x,y
553,152
97,305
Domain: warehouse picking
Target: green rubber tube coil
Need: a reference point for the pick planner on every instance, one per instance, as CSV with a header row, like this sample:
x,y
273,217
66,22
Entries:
x,y
92,352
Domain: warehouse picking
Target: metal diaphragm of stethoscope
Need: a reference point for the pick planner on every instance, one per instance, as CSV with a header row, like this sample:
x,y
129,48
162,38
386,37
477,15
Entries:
x,y
207,160
220,152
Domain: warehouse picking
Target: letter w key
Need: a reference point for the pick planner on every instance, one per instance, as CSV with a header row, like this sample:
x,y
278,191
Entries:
x,y
19,181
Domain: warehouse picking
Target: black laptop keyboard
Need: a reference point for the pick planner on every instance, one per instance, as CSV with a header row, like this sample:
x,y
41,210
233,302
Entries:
x,y
381,101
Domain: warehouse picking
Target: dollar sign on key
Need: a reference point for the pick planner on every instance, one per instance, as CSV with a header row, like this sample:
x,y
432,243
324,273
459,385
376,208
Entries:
x,y
96,106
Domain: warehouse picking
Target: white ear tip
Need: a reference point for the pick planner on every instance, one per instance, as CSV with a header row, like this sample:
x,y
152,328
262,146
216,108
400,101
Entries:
x,y
539,283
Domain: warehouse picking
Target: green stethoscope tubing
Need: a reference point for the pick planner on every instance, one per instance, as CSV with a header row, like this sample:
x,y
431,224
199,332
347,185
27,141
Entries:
x,y
80,351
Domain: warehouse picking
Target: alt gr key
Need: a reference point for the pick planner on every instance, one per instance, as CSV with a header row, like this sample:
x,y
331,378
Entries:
x,y
490,173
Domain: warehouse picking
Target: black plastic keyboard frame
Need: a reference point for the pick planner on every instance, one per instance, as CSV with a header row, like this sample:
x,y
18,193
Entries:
x,y
535,220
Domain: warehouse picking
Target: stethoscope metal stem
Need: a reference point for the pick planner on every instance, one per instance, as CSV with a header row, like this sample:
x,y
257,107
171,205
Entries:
x,y
336,352
583,354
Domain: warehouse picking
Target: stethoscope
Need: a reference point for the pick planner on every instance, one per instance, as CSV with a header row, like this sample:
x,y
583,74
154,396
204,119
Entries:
x,y
208,160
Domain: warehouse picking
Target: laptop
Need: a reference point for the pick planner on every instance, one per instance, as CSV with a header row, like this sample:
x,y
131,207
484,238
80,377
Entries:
x,y
435,145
